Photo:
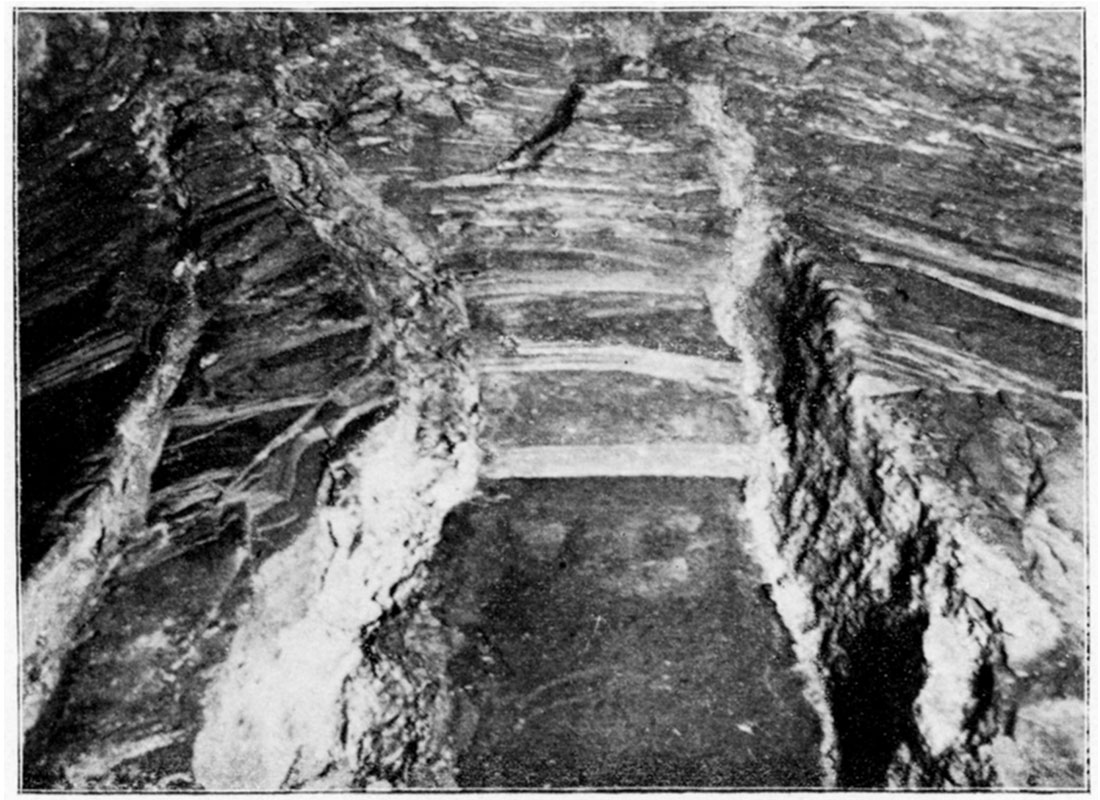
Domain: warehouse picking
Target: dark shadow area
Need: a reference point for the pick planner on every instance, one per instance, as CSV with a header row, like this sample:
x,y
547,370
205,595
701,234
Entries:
x,y
872,699
62,433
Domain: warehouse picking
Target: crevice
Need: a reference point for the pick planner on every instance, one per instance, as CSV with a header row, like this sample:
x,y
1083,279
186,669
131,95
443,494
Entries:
x,y
1037,479
530,153
875,554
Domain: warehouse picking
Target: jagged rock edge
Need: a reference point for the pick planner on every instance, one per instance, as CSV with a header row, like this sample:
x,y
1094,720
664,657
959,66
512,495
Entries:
x,y
742,323
867,535
379,517
63,589
797,337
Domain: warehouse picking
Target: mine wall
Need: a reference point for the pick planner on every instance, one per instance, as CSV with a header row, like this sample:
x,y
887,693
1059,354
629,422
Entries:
x,y
437,400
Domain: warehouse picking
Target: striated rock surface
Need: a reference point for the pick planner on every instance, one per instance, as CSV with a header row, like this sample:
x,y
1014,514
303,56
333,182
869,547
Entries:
x,y
735,359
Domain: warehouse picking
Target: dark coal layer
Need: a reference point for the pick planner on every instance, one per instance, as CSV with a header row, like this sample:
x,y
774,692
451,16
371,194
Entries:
x,y
616,634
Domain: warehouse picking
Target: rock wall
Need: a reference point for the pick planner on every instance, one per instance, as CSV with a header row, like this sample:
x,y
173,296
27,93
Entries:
x,y
929,618
290,285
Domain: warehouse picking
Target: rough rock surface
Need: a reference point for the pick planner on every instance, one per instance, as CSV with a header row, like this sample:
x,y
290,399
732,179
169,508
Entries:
x,y
293,286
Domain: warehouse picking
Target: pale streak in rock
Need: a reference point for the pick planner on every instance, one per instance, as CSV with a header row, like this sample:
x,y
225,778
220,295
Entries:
x,y
536,284
954,370
197,414
909,243
874,255
99,352
704,373
582,184
623,460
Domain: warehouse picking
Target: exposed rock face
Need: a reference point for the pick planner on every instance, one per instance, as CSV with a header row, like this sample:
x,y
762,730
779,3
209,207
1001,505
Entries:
x,y
613,632
291,286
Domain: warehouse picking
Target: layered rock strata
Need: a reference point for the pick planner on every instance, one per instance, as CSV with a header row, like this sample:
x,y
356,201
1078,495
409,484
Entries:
x,y
291,285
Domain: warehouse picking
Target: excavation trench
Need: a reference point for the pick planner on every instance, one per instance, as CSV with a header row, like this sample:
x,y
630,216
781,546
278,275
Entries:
x,y
614,632
412,252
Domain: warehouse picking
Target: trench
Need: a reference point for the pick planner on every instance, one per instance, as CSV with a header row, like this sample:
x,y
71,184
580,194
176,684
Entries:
x,y
622,631
615,632
545,240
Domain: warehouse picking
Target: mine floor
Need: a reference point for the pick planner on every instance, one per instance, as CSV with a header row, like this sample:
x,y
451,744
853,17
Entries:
x,y
616,634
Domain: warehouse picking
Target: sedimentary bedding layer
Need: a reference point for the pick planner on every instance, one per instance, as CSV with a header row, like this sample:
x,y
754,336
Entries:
x,y
359,350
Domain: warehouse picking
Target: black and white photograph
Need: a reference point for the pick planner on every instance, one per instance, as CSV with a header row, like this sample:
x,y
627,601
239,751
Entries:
x,y
547,398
